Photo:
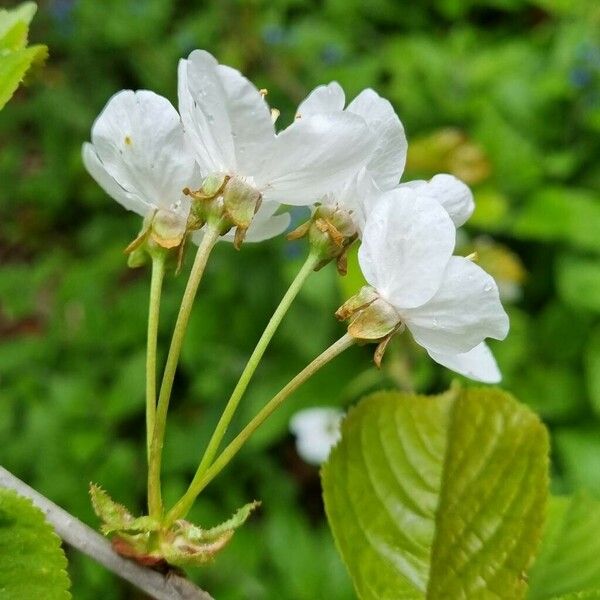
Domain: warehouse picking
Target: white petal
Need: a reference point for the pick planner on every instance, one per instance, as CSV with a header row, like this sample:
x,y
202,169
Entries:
x,y
202,105
139,139
313,156
478,364
266,224
451,193
407,243
464,311
358,197
323,99
109,185
389,157
317,430
250,120
226,119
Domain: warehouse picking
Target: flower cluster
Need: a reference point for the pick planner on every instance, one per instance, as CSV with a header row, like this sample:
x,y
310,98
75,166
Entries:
x,y
220,163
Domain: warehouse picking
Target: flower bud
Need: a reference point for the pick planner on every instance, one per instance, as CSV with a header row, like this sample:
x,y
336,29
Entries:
x,y
163,232
167,229
241,202
372,319
331,231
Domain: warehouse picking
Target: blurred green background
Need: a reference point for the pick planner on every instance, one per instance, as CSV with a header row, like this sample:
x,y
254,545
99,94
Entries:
x,y
503,93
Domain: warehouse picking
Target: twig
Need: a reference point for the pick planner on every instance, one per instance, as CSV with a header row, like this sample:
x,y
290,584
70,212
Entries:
x,y
88,541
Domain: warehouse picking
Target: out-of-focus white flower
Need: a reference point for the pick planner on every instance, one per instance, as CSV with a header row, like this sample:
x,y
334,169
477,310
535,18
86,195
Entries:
x,y
138,155
231,132
448,303
385,165
317,431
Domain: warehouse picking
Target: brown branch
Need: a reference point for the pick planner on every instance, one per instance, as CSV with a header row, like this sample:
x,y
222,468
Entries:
x,y
86,540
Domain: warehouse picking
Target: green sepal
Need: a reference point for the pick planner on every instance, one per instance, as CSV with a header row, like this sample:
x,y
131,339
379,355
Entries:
x,y
115,517
189,545
146,541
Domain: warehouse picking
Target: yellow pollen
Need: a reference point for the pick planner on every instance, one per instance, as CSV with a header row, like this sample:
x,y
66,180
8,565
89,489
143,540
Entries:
x,y
128,141
474,257
263,92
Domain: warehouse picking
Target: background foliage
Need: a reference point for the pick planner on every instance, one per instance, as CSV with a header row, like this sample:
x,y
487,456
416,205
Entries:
x,y
503,93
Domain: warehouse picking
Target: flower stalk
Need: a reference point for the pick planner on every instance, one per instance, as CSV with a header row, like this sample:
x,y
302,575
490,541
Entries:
x,y
211,235
158,272
254,360
202,479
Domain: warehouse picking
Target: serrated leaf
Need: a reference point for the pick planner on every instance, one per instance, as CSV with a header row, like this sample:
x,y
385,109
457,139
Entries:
x,y
15,58
438,497
16,18
568,561
33,564
13,67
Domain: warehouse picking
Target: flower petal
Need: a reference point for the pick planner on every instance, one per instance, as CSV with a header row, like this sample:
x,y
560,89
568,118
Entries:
x,y
389,156
323,99
226,119
109,185
266,224
465,310
317,431
313,156
358,197
407,243
451,193
250,120
478,364
139,140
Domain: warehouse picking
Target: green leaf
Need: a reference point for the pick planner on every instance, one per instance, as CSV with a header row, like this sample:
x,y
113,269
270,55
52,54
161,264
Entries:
x,y
15,58
587,595
562,214
438,497
33,563
16,19
578,281
592,369
568,559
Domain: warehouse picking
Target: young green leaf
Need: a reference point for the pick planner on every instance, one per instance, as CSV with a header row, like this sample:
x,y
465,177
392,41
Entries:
x,y
438,497
33,563
568,561
15,58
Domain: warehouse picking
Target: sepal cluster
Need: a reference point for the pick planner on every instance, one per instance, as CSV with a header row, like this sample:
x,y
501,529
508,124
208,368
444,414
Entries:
x,y
147,541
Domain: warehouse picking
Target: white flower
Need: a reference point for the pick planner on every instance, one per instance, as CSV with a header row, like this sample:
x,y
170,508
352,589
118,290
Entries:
x,y
138,154
448,303
317,431
230,131
385,165
450,192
